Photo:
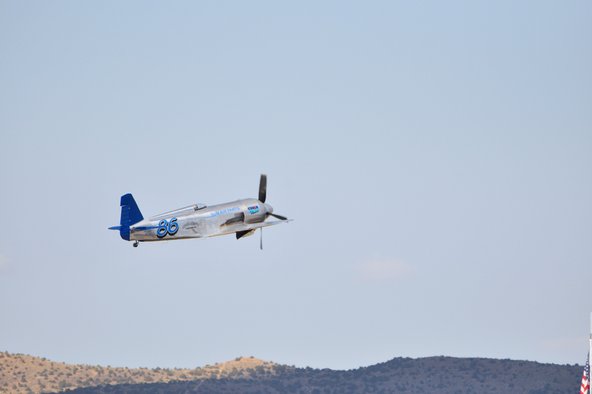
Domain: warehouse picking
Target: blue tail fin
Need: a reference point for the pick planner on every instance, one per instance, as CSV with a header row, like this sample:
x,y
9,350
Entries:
x,y
130,214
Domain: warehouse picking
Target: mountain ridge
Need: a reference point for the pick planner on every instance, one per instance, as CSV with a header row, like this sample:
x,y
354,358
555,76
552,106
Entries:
x,y
21,373
445,375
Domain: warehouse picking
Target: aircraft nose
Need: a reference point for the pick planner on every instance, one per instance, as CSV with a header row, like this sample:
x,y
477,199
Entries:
x,y
268,208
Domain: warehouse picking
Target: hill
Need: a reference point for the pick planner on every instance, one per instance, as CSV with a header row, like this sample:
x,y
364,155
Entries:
x,y
443,375
27,374
20,373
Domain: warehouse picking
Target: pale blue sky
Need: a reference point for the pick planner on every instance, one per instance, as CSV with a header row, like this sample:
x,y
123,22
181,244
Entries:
x,y
435,156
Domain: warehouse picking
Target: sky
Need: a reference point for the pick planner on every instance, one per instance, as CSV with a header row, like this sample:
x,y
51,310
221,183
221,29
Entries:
x,y
435,158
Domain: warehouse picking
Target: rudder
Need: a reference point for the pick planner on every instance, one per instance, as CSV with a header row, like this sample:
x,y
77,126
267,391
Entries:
x,y
130,213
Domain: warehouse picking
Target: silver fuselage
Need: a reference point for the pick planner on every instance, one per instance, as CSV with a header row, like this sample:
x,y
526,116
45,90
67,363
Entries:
x,y
199,221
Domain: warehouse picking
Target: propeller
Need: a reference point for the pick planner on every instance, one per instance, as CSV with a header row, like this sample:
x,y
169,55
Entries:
x,y
262,187
263,196
275,215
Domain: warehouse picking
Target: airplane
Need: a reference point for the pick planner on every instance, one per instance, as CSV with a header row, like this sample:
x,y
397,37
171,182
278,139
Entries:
x,y
241,217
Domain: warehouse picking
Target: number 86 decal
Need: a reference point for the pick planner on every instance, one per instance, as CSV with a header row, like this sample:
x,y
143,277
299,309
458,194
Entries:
x,y
165,228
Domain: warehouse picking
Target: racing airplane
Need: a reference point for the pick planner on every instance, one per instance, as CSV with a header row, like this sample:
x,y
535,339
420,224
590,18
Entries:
x,y
241,217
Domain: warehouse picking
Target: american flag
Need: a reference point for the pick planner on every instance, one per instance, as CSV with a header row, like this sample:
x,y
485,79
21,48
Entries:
x,y
586,377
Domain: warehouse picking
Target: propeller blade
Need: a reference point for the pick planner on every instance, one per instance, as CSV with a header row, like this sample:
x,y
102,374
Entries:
x,y
261,240
262,187
280,217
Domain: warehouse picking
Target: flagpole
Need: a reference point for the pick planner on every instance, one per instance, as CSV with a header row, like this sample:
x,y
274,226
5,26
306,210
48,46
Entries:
x,y
590,348
590,354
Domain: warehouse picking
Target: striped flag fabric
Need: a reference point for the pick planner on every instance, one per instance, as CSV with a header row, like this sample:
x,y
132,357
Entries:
x,y
585,387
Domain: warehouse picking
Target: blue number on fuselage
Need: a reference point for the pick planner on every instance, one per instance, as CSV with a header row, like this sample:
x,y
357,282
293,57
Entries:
x,y
173,227
165,228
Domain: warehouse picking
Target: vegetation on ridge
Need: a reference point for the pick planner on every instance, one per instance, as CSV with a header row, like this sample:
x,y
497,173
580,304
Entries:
x,y
27,374
20,373
442,375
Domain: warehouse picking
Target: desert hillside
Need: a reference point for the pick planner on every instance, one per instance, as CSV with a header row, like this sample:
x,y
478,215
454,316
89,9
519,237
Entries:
x,y
20,373
27,374
442,375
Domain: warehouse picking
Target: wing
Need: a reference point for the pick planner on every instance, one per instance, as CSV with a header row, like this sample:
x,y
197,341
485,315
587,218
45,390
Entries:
x,y
241,227
235,227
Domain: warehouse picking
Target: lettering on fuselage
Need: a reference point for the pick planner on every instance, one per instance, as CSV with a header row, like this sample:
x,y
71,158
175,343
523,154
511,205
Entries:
x,y
167,227
254,209
224,211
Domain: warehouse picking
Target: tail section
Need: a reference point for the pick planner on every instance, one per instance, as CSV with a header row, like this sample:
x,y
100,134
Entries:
x,y
130,215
